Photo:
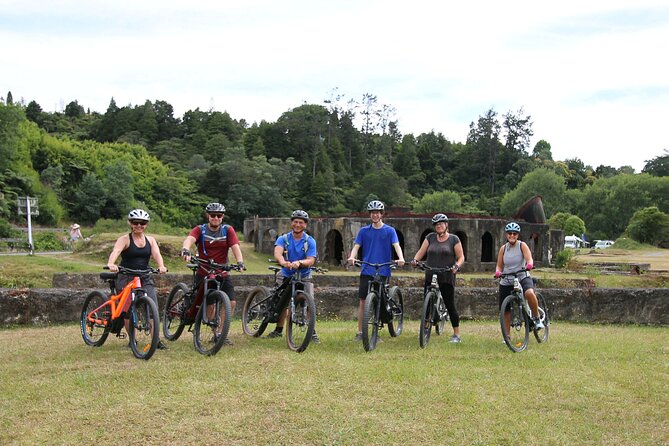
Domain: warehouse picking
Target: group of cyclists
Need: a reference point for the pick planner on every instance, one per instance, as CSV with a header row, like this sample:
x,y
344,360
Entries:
x,y
297,250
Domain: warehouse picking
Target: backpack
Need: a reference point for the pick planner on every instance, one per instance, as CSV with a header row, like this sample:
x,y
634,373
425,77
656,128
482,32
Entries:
x,y
203,227
286,243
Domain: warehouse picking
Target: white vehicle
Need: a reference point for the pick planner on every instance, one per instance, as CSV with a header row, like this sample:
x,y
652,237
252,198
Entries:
x,y
603,244
574,241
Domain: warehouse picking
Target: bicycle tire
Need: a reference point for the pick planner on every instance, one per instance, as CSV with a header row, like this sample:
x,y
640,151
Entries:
x,y
256,312
426,318
95,332
370,317
173,313
542,335
144,328
209,336
443,317
518,333
397,310
301,325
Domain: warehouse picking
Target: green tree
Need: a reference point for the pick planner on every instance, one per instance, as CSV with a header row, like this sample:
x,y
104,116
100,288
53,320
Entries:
x,y
649,225
558,220
89,199
118,183
542,182
74,110
442,201
542,151
658,166
574,226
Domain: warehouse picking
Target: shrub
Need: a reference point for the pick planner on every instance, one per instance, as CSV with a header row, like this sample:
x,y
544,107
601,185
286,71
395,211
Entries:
x,y
563,257
649,225
48,241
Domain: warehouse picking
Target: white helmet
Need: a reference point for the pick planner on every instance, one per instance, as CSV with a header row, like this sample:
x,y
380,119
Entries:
x,y
139,214
375,205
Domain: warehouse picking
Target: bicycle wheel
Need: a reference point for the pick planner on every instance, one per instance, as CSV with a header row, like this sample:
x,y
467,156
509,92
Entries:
x,y
518,333
143,329
397,310
443,317
370,322
301,322
542,335
212,323
255,312
173,314
95,320
427,316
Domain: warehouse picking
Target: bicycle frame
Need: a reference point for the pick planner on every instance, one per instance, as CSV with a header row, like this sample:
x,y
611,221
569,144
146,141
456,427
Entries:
x,y
378,286
209,283
434,286
120,302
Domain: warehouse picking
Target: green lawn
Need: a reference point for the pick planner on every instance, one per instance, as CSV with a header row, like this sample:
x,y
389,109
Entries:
x,y
588,385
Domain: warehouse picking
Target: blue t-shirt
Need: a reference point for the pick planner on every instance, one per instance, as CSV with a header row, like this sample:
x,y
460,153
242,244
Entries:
x,y
377,247
296,252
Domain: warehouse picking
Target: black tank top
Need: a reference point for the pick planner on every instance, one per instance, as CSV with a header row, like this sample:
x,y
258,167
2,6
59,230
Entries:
x,y
134,257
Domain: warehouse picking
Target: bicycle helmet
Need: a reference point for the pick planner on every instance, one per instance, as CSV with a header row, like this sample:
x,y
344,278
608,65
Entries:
x,y
215,207
138,214
439,218
512,227
299,214
375,205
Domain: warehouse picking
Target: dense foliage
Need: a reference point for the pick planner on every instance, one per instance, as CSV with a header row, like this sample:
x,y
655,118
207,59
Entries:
x,y
327,159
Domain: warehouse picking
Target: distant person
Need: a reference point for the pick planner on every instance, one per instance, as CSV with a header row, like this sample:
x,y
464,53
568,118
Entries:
x,y
443,250
135,249
75,233
514,256
377,241
214,239
295,250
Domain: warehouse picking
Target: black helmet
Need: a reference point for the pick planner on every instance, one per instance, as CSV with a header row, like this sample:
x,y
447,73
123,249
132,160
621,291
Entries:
x,y
299,214
215,207
375,205
438,218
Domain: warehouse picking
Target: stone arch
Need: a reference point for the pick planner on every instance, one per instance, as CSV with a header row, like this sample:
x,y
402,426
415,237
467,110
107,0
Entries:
x,y
252,236
423,235
463,239
487,248
334,248
269,237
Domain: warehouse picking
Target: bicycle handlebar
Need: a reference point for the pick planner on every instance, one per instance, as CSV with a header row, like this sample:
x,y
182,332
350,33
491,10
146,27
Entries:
x,y
135,272
316,269
392,264
210,265
423,266
514,274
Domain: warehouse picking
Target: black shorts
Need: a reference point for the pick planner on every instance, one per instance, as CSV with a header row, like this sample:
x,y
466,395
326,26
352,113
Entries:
x,y
363,287
225,285
504,290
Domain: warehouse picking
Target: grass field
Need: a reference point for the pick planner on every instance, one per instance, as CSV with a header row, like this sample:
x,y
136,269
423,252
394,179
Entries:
x,y
587,385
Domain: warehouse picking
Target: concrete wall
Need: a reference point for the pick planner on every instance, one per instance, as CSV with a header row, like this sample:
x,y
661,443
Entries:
x,y
481,237
637,306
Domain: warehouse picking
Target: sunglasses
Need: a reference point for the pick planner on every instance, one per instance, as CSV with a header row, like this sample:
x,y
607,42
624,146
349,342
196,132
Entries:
x,y
216,215
139,223
513,233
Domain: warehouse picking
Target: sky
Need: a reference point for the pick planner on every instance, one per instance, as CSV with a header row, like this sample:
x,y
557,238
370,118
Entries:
x,y
593,75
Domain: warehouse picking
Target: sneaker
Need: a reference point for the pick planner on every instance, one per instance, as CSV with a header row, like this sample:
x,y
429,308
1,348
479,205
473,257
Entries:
x,y
455,339
274,334
161,346
315,339
358,337
227,342
538,325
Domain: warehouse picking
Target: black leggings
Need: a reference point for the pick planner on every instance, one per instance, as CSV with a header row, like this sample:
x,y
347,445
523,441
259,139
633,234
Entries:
x,y
448,293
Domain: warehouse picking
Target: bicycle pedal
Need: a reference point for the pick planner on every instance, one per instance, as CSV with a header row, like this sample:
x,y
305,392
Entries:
x,y
121,335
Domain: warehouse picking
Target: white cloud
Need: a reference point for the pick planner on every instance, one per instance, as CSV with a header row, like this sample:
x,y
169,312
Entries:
x,y
591,74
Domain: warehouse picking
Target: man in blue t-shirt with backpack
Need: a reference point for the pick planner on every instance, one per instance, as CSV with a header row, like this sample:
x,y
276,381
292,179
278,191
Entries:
x,y
295,250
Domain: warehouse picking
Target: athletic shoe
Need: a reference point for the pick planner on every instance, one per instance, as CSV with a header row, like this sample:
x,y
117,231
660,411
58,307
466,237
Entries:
x,y
358,337
538,325
315,339
274,334
227,342
161,346
455,339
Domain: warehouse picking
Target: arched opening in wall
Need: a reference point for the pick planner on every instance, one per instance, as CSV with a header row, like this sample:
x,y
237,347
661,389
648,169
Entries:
x,y
487,248
463,239
534,243
252,237
334,248
423,235
269,237
400,236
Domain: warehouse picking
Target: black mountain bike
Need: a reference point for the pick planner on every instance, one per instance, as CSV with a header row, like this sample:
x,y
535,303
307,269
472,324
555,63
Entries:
x,y
516,312
434,311
265,305
210,322
383,305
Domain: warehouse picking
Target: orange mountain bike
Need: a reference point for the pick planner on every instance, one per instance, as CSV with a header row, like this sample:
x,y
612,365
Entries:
x,y
102,315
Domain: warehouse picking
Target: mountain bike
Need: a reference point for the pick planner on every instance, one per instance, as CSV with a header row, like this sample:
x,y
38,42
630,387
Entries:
x,y
383,305
210,323
265,305
103,314
516,310
434,311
